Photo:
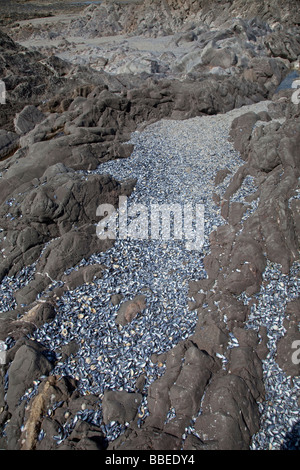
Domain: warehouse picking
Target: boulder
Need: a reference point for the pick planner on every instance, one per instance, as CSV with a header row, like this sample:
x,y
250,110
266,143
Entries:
x,y
246,266
120,406
209,337
268,72
224,57
84,274
230,414
287,82
9,142
27,119
29,364
130,309
41,313
60,204
283,44
244,363
241,130
186,393
85,436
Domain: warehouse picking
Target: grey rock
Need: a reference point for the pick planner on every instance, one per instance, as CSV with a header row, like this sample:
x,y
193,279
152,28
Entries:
x,y
130,309
9,142
26,120
194,443
116,299
221,175
244,363
29,364
39,314
85,436
61,204
266,71
84,274
246,266
209,337
224,57
120,406
230,414
283,44
186,393
147,438
241,130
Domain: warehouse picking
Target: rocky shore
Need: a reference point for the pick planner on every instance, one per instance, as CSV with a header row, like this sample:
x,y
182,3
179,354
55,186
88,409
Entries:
x,y
141,343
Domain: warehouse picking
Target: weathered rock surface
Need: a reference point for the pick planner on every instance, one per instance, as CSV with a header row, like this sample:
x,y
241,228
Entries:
x,y
29,363
229,415
130,309
120,406
61,207
26,120
9,142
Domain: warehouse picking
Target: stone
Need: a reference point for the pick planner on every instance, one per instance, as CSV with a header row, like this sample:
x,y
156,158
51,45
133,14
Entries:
x,y
186,393
84,274
60,204
268,72
287,82
244,363
69,250
146,439
130,309
234,310
39,314
209,337
9,142
194,443
236,211
227,67
69,349
241,130
283,44
158,395
95,442
12,428
263,151
27,119
120,406
29,364
53,389
224,57
84,436
221,175
230,414
116,299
